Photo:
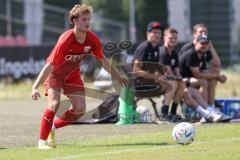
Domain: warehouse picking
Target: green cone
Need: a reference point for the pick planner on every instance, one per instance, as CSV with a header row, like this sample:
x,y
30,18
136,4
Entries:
x,y
127,111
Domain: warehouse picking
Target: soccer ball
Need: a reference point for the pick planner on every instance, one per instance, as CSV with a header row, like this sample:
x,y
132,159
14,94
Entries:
x,y
183,133
144,114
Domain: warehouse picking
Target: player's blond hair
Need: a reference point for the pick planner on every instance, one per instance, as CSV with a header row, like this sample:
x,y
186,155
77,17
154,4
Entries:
x,y
79,10
170,30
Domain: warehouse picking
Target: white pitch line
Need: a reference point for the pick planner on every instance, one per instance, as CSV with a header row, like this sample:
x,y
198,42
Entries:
x,y
133,150
108,153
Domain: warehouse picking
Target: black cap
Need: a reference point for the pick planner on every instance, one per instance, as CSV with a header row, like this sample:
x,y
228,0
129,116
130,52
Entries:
x,y
202,39
153,25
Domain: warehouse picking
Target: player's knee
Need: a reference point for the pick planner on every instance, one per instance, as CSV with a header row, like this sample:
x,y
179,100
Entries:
x,y
54,104
79,110
182,85
203,83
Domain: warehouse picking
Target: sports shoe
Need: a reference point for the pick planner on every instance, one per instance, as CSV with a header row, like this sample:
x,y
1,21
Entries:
x,y
44,145
175,118
203,120
214,117
225,118
51,139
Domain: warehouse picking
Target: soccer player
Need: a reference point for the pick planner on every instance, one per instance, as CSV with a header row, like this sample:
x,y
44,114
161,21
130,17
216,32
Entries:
x,y
210,56
193,66
169,58
147,53
62,71
146,62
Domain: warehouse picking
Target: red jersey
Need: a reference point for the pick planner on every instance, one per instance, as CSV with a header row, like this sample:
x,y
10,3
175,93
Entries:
x,y
67,54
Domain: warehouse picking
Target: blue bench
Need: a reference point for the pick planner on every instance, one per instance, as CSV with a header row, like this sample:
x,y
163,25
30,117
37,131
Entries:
x,y
231,107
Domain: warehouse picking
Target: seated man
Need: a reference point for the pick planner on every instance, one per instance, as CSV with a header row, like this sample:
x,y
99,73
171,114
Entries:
x,y
193,67
193,99
146,60
169,58
211,57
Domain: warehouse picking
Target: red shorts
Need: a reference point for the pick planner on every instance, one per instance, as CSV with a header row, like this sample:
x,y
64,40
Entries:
x,y
69,86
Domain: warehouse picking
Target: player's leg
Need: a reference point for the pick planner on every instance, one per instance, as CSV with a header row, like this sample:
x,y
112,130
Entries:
x,y
197,97
47,119
190,101
74,113
211,92
178,96
202,85
75,92
76,110
168,98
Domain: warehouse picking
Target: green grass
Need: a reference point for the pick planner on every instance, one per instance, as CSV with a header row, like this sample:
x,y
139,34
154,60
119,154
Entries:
x,y
212,142
231,88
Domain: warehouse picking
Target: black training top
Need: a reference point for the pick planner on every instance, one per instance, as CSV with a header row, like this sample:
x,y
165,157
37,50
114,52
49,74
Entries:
x,y
207,57
145,52
167,59
190,59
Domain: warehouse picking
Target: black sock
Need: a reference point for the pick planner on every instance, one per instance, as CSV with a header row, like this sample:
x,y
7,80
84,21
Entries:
x,y
174,108
164,109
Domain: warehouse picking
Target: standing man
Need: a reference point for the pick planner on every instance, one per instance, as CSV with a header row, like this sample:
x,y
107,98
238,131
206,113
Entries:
x,y
169,58
210,56
62,71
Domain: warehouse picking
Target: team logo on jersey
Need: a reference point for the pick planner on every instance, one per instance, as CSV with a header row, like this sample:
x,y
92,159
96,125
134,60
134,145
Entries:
x,y
173,62
87,49
74,58
149,56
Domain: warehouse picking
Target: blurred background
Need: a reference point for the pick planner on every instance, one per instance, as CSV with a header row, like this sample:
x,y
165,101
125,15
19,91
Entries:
x,y
30,28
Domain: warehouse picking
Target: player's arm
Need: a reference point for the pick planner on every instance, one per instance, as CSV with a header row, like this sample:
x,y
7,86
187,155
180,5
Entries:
x,y
138,72
45,72
114,73
203,75
177,72
216,62
164,60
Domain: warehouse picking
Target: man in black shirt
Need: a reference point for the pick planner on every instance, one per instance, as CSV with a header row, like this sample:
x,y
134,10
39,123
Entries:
x,y
193,66
146,60
169,58
210,56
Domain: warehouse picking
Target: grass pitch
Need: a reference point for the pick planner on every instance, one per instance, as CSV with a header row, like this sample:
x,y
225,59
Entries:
x,y
20,121
212,142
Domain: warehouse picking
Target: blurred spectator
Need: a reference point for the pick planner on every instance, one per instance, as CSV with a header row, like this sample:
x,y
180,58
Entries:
x,y
2,41
21,40
169,58
11,41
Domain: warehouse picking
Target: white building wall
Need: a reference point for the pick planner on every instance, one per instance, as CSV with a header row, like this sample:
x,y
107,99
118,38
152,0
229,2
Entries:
x,y
33,17
235,31
179,18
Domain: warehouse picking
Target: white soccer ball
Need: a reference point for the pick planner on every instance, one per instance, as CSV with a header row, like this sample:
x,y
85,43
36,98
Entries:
x,y
183,133
144,114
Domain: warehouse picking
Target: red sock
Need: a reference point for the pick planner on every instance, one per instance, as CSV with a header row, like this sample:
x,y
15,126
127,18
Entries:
x,y
67,118
46,125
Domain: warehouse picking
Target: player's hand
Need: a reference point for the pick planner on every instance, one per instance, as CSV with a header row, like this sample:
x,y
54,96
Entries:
x,y
179,78
124,81
171,77
222,78
35,94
